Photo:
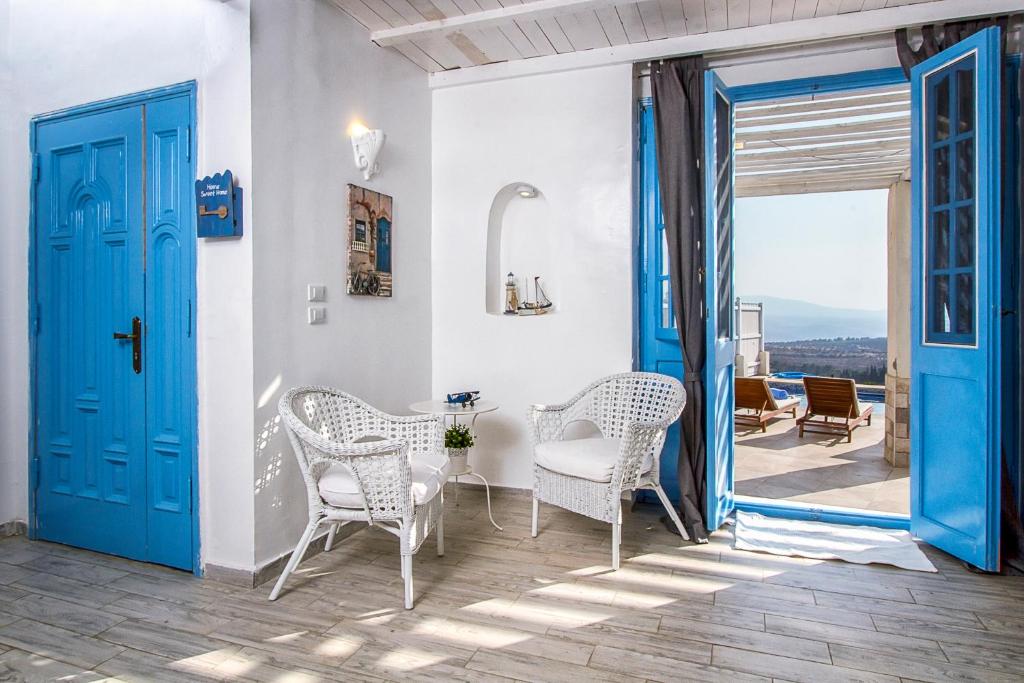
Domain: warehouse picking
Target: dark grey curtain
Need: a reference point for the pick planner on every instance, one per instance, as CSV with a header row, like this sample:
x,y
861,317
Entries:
x,y
678,89
935,40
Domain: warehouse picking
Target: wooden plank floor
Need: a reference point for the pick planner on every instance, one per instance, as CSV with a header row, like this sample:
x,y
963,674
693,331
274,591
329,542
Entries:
x,y
500,606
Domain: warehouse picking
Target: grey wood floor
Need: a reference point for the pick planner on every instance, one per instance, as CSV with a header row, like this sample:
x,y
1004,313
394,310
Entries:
x,y
502,606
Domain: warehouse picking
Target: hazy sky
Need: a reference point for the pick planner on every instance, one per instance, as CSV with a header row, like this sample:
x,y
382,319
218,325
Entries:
x,y
826,248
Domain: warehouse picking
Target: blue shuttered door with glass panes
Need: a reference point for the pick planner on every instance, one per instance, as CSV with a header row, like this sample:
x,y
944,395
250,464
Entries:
x,y
114,399
720,365
955,294
659,338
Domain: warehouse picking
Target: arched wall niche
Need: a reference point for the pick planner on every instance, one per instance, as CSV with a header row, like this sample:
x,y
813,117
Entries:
x,y
520,241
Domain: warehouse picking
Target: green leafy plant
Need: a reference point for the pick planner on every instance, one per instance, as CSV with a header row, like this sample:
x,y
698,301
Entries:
x,y
458,436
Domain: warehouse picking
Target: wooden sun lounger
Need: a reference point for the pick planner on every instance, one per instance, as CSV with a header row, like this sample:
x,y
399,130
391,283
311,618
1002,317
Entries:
x,y
831,398
753,393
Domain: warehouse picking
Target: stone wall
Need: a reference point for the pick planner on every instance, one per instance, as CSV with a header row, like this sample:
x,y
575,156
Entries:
x,y
897,420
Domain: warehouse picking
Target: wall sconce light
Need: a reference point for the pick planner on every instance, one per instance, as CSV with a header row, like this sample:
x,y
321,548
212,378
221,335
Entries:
x,y
366,145
526,191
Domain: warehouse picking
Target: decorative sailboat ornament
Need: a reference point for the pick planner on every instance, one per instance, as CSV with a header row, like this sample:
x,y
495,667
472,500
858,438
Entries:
x,y
541,303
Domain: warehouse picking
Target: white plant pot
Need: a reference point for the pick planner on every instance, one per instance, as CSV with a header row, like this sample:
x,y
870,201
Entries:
x,y
458,458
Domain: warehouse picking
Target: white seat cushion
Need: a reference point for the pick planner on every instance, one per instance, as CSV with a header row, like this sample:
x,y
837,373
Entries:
x,y
338,487
592,459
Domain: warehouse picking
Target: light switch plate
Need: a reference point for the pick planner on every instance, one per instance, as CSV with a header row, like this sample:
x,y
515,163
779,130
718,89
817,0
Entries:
x,y
316,293
316,315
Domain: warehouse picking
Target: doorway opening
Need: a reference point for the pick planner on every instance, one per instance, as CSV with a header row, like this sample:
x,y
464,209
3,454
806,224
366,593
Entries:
x,y
821,281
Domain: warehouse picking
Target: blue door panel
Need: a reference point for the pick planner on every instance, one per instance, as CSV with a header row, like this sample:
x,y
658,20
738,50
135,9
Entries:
x,y
90,434
114,240
169,365
659,338
383,245
955,406
719,366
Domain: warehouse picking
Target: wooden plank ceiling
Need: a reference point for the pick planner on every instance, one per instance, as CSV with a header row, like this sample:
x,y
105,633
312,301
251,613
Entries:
x,y
449,34
854,140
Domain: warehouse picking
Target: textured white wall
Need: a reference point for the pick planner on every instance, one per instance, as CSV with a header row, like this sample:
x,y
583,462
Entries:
x,y
64,53
570,135
314,71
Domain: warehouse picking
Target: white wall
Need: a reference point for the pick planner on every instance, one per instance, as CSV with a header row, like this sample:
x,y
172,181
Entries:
x,y
65,53
314,71
13,307
570,135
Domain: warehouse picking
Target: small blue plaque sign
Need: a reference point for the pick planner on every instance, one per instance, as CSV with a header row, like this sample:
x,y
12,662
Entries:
x,y
218,206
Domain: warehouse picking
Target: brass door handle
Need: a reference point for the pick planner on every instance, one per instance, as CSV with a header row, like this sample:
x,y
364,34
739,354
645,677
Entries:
x,y
221,212
136,339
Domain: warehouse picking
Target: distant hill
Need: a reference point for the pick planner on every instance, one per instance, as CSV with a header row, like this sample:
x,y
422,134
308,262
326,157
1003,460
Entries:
x,y
792,320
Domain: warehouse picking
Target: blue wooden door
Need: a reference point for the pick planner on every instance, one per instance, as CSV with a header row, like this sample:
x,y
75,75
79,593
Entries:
x,y
955,300
659,338
114,435
383,245
719,296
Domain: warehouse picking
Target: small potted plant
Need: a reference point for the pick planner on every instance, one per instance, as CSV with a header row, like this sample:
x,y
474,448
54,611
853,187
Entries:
x,y
458,440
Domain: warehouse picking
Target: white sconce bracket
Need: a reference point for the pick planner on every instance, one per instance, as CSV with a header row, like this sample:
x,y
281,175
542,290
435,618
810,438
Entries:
x,y
366,145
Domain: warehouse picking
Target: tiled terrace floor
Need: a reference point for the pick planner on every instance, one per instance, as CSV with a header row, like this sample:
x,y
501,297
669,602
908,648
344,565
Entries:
x,y
820,468
504,606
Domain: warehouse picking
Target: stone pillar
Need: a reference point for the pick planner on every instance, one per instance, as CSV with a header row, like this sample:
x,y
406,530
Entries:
x,y
897,376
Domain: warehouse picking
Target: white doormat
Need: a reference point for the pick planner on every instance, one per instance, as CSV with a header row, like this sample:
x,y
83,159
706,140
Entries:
x,y
823,541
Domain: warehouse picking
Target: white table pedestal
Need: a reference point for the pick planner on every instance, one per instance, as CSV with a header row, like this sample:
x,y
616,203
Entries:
x,y
446,410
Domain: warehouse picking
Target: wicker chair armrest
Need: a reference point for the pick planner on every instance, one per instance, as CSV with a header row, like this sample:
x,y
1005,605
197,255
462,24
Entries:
x,y
545,423
424,433
340,448
639,441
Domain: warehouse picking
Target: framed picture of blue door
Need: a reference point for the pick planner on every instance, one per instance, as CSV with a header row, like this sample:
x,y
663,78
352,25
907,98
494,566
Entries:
x,y
112,300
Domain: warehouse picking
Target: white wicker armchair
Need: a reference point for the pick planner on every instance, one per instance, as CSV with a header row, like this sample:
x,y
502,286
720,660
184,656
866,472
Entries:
x,y
395,481
632,410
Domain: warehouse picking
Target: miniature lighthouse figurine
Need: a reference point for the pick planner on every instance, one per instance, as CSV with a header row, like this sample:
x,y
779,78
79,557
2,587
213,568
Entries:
x,y
511,296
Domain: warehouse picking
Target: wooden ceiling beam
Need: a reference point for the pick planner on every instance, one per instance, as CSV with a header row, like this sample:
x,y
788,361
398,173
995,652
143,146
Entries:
x,y
873,148
712,44
778,107
837,129
799,165
867,137
808,187
897,111
490,18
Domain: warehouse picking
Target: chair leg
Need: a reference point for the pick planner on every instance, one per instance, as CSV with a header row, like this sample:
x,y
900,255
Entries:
x,y
536,515
439,530
407,576
330,537
671,510
296,557
616,537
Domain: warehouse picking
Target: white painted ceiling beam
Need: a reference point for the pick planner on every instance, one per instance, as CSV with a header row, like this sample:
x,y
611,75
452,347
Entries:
x,y
804,31
502,16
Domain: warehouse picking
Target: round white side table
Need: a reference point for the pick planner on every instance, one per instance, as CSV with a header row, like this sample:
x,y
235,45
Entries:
x,y
455,411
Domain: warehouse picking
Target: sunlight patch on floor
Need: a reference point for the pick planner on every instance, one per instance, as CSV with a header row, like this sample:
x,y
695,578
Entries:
x,y
409,659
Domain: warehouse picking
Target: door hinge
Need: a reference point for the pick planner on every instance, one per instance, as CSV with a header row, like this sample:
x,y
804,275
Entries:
x,y
188,143
35,321
190,495
189,323
35,167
